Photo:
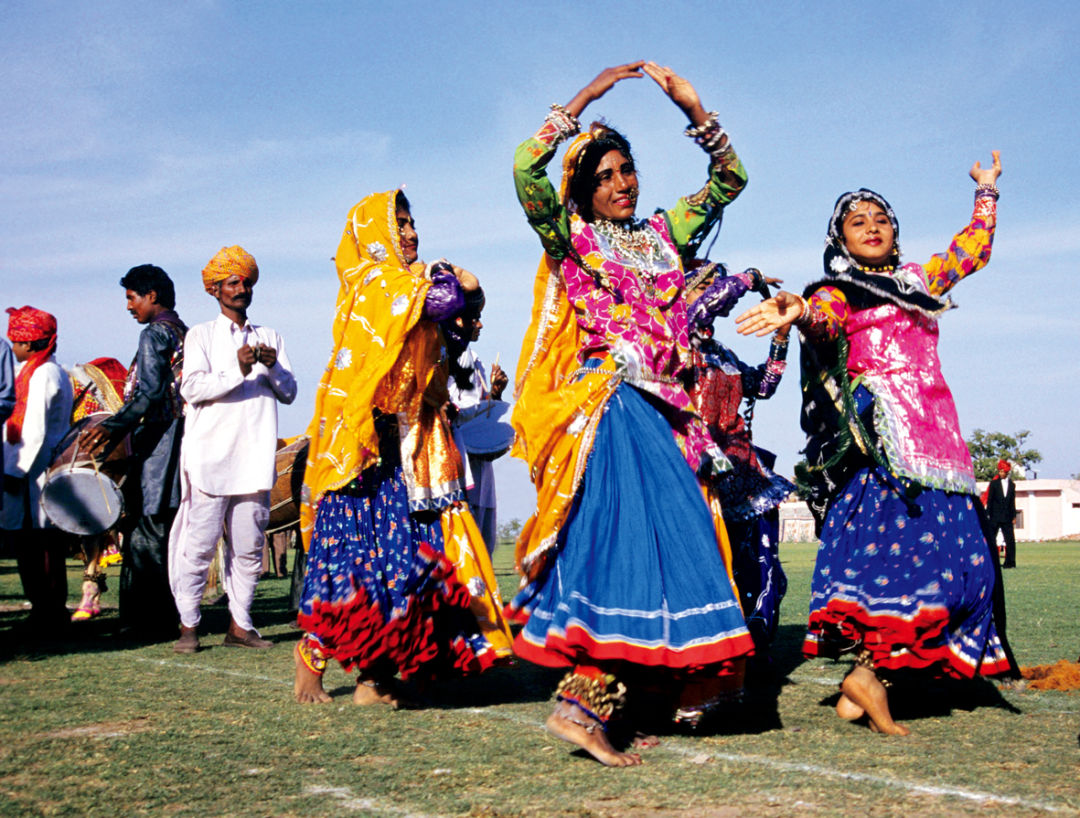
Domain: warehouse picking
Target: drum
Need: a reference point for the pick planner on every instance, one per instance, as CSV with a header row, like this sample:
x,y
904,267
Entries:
x,y
285,495
82,493
483,431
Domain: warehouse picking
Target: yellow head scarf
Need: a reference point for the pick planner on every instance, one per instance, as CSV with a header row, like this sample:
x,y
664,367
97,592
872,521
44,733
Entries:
x,y
229,261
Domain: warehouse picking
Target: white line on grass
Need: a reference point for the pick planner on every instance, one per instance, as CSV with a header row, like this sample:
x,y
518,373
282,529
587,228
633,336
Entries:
x,y
701,756
208,669
348,800
911,786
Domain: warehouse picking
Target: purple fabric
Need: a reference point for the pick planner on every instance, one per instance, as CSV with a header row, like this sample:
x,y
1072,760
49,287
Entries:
x,y
445,298
719,298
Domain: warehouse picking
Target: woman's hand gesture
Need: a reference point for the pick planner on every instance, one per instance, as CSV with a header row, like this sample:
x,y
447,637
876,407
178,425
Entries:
x,y
987,176
774,313
602,84
680,91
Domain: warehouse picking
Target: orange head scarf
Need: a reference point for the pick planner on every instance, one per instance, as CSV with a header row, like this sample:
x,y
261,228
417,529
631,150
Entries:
x,y
28,324
229,261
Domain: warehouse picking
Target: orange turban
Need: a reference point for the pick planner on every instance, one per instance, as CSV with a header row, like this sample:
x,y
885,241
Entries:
x,y
229,261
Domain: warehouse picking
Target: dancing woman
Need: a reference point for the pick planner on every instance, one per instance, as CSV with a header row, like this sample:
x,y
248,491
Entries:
x,y
750,493
904,577
399,583
626,567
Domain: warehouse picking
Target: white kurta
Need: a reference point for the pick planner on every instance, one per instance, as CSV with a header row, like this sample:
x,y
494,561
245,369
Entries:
x,y
227,463
48,418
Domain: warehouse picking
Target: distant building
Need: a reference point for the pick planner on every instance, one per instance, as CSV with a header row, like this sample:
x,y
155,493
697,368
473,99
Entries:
x,y
1045,510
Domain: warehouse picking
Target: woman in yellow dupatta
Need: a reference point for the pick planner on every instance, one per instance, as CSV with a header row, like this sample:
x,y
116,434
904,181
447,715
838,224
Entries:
x,y
626,566
399,583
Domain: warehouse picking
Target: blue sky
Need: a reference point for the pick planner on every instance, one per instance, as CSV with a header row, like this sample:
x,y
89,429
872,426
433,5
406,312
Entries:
x,y
137,133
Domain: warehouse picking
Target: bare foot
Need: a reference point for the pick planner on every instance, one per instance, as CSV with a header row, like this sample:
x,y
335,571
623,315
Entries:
x,y
864,690
369,691
570,723
847,709
307,689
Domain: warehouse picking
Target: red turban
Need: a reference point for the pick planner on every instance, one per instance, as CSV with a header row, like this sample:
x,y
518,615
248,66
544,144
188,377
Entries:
x,y
28,324
1004,464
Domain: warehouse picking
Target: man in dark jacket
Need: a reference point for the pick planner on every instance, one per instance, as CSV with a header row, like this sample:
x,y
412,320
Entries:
x,y
1001,511
153,415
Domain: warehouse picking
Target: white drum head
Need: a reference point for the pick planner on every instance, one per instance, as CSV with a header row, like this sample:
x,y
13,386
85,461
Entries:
x,y
81,501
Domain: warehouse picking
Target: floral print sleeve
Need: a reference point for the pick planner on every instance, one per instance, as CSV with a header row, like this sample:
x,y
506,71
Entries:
x,y
694,215
829,311
969,251
537,195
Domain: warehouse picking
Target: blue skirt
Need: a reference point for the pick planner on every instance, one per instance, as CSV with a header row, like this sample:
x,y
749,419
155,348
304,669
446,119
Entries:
x,y
911,581
638,575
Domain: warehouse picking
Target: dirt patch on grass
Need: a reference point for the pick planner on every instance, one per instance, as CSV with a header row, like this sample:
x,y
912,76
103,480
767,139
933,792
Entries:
x,y
1061,675
103,729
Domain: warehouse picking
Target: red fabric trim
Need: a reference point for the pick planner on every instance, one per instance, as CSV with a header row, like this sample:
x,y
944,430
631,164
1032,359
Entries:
x,y
893,642
355,633
579,647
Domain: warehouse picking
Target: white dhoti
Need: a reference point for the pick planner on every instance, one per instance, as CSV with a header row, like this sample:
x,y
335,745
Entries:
x,y
202,520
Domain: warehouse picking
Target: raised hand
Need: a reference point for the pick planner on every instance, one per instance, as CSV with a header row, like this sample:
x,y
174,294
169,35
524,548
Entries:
x,y
987,176
680,91
603,83
499,380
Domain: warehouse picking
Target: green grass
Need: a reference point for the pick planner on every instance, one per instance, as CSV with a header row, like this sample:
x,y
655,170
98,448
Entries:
x,y
96,725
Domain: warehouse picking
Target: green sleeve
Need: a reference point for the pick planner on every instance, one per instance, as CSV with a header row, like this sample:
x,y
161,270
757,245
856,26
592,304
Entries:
x,y
694,216
537,195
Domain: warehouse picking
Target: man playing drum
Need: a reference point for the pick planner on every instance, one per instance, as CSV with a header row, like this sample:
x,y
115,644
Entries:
x,y
235,373
153,415
41,416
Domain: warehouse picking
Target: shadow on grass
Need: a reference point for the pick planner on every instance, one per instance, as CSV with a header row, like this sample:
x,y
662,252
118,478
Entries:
x,y
915,696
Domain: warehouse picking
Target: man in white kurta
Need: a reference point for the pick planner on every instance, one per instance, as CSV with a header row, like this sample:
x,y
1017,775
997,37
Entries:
x,y
41,417
235,374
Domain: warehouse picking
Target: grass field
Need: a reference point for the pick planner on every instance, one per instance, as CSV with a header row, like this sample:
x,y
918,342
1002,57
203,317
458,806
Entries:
x,y
96,725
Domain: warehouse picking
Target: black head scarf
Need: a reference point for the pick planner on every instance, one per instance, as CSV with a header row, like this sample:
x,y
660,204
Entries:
x,y
863,289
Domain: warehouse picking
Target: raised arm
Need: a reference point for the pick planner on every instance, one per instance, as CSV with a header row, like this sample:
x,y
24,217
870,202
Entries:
x,y
970,248
693,216
537,195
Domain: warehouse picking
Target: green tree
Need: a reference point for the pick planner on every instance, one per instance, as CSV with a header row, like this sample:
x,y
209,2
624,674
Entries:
x,y
509,531
988,447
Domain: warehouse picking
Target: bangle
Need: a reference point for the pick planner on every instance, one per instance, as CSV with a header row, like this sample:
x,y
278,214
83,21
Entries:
x,y
711,123
565,122
986,189
805,313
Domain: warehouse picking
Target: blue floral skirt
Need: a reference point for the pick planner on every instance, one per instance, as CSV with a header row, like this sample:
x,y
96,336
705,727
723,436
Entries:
x,y
638,575
379,592
910,581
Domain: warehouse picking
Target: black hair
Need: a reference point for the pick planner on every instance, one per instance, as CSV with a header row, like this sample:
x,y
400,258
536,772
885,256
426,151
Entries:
x,y
583,183
401,202
146,278
39,344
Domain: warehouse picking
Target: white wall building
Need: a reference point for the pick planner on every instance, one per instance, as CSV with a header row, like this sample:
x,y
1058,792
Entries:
x,y
1045,510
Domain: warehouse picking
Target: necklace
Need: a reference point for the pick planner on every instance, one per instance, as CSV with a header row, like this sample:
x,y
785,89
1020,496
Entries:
x,y
630,241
